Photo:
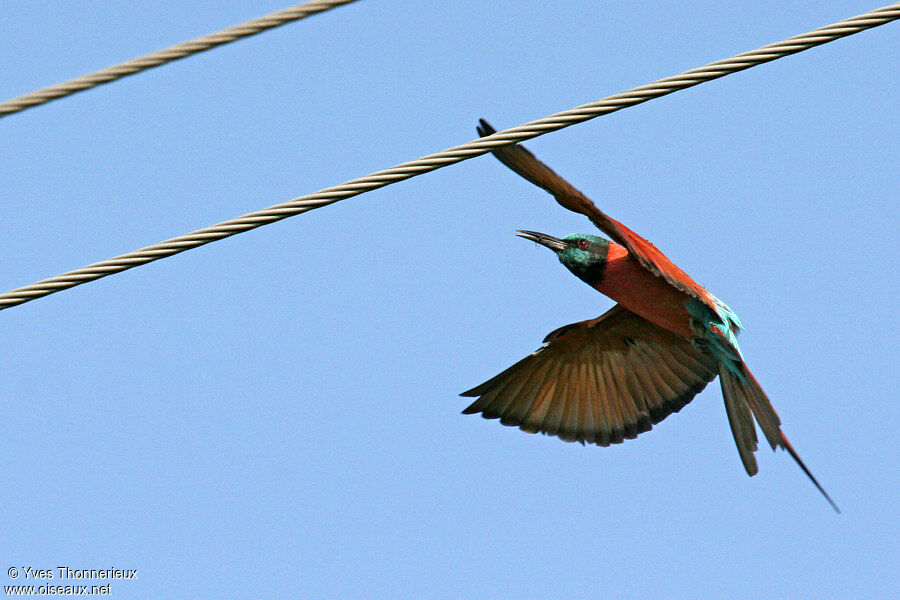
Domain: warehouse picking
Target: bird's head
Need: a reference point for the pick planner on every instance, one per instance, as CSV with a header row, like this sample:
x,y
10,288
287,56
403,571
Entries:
x,y
583,254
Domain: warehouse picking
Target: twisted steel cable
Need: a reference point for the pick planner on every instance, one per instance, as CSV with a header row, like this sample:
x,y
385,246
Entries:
x,y
452,155
167,55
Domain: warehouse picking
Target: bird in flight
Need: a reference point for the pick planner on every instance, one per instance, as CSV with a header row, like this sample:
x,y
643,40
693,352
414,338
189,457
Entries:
x,y
608,379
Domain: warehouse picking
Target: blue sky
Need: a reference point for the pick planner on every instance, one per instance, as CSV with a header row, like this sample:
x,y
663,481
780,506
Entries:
x,y
276,414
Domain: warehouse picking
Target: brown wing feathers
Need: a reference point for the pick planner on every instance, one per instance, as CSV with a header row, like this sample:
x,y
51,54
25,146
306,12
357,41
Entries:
x,y
618,375
598,382
526,164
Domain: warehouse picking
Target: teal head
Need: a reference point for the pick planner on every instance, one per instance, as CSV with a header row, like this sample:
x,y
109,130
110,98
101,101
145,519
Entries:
x,y
583,254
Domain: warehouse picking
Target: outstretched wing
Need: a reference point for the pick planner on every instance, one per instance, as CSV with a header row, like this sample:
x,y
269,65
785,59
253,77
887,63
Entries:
x,y
597,382
526,164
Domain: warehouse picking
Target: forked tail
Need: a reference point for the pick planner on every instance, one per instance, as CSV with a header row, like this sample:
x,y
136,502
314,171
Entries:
x,y
743,396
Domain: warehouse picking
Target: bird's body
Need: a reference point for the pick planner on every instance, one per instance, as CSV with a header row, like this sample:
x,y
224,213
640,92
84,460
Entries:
x,y
608,379
643,293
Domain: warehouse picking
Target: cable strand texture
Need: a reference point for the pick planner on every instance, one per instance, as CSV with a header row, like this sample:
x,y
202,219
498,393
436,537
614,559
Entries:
x,y
452,155
167,55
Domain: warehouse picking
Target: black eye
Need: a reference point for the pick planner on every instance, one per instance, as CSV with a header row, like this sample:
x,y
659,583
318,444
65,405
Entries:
x,y
582,244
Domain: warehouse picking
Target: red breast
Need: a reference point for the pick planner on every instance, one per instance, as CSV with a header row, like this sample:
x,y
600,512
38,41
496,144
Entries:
x,y
643,293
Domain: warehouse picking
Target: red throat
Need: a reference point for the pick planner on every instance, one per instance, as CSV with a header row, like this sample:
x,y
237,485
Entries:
x,y
643,293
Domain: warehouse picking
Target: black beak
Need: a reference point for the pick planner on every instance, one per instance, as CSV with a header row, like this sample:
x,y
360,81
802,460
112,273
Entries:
x,y
543,239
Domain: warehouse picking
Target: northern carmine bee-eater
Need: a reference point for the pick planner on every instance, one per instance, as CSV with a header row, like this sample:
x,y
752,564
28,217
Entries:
x,y
608,379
